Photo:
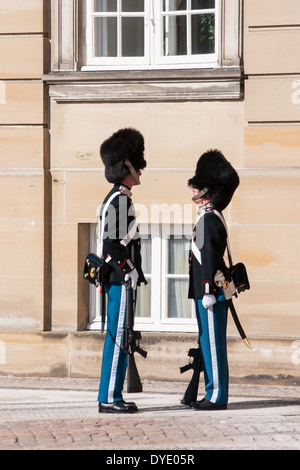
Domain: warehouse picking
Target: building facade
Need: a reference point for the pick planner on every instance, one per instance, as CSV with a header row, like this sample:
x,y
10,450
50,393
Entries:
x,y
190,75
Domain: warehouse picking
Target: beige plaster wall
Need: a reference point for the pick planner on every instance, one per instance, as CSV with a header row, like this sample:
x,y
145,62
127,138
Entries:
x,y
260,135
23,160
175,133
19,16
268,209
175,136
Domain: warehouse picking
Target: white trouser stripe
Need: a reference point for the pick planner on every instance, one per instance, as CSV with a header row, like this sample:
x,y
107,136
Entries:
x,y
213,351
118,343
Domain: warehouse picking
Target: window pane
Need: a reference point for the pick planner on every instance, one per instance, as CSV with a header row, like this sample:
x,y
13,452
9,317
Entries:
x,y
106,42
178,304
178,256
175,40
143,301
133,5
174,5
203,34
202,4
146,253
143,304
105,5
132,37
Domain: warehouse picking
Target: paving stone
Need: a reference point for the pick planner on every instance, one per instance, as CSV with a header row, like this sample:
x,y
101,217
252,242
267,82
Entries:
x,y
43,414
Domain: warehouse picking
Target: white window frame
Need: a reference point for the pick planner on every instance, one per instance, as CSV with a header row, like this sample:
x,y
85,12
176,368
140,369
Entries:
x,y
165,278
113,62
158,320
189,60
153,58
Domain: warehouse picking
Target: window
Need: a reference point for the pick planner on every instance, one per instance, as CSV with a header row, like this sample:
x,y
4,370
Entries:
x,y
187,31
175,278
151,33
116,32
162,305
159,41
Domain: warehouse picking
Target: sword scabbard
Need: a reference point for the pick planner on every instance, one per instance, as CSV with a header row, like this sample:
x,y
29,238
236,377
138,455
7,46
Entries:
x,y
238,324
247,343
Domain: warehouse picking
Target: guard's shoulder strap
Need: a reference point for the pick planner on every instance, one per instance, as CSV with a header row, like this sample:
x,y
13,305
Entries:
x,y
195,249
100,228
128,237
228,244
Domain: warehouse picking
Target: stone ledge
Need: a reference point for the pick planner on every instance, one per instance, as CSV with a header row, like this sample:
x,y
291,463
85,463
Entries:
x,y
144,75
146,85
273,360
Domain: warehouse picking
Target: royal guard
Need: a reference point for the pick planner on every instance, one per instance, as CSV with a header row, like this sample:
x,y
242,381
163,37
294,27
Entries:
x,y
123,157
213,185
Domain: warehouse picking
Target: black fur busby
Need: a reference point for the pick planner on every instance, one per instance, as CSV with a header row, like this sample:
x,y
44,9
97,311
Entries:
x,y
216,176
125,144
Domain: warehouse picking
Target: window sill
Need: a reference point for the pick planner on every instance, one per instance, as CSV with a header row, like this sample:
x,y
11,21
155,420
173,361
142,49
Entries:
x,y
146,85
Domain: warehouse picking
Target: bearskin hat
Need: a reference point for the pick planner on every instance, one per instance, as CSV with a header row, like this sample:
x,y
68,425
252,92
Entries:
x,y
216,177
124,145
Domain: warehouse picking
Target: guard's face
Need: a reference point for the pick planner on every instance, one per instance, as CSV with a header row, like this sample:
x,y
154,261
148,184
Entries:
x,y
130,181
195,192
201,200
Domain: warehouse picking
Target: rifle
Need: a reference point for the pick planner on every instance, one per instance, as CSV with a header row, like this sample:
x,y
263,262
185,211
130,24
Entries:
x,y
131,343
191,392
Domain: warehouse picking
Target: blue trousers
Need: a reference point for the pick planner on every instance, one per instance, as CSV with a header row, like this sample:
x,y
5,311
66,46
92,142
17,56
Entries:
x,y
212,323
114,360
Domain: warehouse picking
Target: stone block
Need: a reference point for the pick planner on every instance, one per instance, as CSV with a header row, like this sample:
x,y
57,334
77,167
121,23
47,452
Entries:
x,y
273,46
270,100
22,147
17,16
34,354
21,57
272,146
21,102
271,12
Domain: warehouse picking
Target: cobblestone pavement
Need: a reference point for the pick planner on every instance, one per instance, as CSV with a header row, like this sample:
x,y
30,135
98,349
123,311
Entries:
x,y
57,414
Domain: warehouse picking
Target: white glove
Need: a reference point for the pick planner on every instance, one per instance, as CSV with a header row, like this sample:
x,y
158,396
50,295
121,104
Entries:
x,y
208,300
133,275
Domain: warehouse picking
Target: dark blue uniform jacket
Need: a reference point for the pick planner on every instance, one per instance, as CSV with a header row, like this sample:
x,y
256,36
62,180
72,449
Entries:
x,y
211,240
122,253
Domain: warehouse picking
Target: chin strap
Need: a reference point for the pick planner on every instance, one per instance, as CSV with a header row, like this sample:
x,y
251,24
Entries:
x,y
200,194
132,171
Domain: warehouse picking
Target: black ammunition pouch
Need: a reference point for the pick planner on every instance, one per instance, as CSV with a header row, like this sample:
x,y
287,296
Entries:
x,y
96,271
239,276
